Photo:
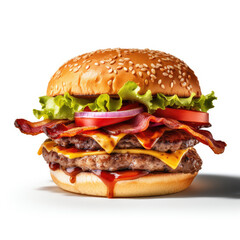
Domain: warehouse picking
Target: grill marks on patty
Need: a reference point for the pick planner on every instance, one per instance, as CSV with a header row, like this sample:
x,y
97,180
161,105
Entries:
x,y
190,163
170,141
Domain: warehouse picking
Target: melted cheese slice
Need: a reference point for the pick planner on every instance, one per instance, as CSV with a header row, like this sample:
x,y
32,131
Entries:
x,y
170,159
106,141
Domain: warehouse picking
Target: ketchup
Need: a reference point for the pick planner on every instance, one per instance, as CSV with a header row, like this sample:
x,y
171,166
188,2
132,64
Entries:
x,y
150,136
111,178
72,172
54,166
108,178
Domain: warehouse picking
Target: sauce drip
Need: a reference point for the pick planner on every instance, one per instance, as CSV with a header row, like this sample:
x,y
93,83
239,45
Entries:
x,y
111,178
54,166
150,136
72,172
108,178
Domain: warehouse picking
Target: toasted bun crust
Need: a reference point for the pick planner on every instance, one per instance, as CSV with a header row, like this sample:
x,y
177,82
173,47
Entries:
x,y
150,185
106,71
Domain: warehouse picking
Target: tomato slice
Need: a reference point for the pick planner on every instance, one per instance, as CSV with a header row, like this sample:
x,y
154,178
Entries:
x,y
195,117
99,122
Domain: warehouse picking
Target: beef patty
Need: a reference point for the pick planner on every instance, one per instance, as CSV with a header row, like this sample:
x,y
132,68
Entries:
x,y
169,141
190,163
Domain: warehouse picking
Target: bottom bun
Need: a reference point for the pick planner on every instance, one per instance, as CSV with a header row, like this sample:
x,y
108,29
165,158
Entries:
x,y
150,185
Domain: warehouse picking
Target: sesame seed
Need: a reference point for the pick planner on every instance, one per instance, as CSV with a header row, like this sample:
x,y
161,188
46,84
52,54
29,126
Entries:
x,y
162,69
170,76
112,62
153,65
146,81
148,73
126,59
179,76
121,60
137,65
153,70
145,65
130,62
70,69
119,55
153,76
182,80
110,70
183,84
184,74
165,74
159,81
102,62
76,68
162,86
64,84
189,76
115,71
107,67
119,67
84,61
144,69
87,67
88,61
125,69
121,63
133,72
140,74
171,85
109,82
130,68
96,63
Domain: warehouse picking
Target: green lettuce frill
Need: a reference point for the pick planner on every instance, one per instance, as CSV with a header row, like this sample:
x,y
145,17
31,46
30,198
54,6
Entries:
x,y
64,107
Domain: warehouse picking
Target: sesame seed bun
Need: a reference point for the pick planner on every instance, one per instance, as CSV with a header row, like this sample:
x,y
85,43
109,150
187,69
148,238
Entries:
x,y
150,185
106,71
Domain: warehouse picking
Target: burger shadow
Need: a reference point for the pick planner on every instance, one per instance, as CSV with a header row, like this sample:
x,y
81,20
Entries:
x,y
212,186
204,185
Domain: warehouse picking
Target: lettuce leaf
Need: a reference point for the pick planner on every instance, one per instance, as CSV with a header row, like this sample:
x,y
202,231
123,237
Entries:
x,y
130,92
64,107
204,103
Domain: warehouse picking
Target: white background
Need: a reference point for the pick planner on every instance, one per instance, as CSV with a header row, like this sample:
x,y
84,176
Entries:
x,y
39,36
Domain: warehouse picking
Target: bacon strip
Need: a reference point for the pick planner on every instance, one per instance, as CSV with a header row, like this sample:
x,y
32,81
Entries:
x,y
34,128
62,130
141,123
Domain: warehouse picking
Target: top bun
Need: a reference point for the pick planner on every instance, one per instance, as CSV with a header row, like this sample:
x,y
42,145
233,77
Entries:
x,y
106,71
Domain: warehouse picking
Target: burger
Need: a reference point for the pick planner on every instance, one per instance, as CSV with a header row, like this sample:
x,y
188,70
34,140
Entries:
x,y
123,123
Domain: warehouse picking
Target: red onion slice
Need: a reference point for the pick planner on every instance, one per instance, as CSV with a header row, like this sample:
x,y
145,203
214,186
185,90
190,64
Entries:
x,y
116,114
